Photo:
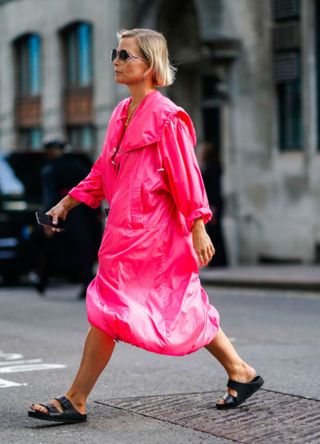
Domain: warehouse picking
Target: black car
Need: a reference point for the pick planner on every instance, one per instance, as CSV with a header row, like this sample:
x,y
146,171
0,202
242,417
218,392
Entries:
x,y
20,197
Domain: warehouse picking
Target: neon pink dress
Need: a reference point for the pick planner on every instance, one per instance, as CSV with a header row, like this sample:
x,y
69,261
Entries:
x,y
147,290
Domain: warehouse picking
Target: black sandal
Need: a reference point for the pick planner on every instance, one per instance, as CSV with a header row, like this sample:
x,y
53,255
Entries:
x,y
244,391
69,414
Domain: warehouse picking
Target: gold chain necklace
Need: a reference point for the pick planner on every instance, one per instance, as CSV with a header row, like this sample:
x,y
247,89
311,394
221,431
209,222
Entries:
x,y
130,115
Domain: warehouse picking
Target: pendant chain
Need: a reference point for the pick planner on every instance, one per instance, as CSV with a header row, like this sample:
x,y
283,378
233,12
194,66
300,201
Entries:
x,y
130,115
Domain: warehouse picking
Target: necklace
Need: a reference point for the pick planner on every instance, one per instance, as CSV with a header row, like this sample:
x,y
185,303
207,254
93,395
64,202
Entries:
x,y
130,114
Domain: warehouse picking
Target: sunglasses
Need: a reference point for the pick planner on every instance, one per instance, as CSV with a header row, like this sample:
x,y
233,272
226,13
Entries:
x,y
123,55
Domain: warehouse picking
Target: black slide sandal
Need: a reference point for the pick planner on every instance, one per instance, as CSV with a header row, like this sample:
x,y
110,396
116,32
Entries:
x,y
69,414
244,391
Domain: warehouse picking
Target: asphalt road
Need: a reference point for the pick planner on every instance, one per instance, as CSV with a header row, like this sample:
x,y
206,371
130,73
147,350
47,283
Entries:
x,y
41,343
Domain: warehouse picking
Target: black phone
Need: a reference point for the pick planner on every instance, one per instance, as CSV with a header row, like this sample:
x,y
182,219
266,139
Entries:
x,y
46,219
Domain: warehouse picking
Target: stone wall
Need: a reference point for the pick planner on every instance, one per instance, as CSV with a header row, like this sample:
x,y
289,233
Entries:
x,y
20,16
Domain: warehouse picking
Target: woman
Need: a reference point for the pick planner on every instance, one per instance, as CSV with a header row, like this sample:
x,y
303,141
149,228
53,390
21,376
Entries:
x,y
147,290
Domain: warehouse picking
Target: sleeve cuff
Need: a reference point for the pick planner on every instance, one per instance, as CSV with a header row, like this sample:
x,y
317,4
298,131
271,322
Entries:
x,y
204,213
84,197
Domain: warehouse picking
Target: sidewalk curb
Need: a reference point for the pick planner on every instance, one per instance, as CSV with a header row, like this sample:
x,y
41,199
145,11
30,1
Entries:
x,y
260,284
294,278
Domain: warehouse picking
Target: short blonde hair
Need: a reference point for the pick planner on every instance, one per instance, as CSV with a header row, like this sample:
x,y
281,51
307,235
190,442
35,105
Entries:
x,y
153,46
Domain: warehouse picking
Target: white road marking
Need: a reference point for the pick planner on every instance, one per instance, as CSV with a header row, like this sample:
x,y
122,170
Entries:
x,y
13,363
24,361
6,384
30,368
10,356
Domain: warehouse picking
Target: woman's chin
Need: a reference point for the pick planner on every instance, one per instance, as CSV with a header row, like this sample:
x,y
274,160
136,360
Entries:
x,y
118,79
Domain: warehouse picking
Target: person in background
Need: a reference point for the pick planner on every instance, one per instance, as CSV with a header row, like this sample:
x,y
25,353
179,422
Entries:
x,y
147,290
212,174
74,251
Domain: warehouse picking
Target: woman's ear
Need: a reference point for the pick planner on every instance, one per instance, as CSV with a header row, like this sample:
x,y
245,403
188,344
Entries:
x,y
149,73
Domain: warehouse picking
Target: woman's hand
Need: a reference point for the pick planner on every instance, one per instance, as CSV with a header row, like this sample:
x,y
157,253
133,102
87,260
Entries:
x,y
202,243
60,211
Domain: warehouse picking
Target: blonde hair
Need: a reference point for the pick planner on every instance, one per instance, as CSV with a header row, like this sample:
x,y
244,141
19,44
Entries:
x,y
153,46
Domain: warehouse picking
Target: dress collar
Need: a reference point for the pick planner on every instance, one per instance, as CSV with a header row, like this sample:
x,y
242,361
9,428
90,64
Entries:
x,y
123,112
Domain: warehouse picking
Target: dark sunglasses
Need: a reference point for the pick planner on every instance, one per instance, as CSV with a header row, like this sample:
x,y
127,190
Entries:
x,y
123,55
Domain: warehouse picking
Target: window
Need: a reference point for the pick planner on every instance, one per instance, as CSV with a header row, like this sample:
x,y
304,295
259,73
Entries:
x,y
30,138
317,28
285,9
289,109
78,95
287,72
78,55
81,137
27,104
28,65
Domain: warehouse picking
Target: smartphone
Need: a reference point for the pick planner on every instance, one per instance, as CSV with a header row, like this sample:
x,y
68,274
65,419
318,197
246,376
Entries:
x,y
46,219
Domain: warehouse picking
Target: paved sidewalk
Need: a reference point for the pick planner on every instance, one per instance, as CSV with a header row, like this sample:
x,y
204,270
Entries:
x,y
289,277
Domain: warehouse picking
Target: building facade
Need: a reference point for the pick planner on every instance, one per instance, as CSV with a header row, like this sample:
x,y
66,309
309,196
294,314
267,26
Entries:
x,y
247,74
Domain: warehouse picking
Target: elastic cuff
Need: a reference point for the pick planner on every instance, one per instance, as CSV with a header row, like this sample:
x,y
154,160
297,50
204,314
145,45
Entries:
x,y
204,213
84,198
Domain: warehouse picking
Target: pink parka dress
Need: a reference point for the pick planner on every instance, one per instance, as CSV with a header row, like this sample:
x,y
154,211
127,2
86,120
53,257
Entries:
x,y
147,290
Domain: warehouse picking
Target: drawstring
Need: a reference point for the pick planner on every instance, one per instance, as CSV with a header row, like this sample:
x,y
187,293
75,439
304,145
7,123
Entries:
x,y
160,169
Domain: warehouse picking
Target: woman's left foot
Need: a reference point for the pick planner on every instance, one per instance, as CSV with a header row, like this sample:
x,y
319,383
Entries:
x,y
239,392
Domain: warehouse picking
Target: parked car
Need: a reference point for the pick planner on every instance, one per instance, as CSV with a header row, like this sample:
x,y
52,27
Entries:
x,y
20,197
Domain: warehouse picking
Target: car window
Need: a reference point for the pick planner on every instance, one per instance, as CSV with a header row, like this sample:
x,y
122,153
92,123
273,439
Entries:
x,y
9,183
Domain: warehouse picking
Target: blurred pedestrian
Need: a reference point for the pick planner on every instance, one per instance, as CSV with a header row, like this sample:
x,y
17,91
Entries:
x,y
147,290
74,251
212,174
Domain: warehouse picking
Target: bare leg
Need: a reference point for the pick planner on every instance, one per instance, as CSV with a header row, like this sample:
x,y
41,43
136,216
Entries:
x,y
97,352
237,369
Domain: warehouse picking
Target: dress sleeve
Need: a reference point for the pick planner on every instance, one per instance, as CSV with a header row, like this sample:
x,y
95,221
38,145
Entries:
x,y
183,172
90,189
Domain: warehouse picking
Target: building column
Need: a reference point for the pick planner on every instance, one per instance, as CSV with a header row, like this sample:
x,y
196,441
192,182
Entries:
x,y
7,95
105,88
309,98
52,85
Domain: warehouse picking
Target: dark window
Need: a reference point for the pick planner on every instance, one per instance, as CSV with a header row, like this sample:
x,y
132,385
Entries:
x,y
317,16
287,73
28,65
30,138
81,137
285,9
289,109
78,55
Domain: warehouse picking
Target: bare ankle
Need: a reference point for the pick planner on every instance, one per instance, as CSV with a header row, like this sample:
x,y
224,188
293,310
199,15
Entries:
x,y
76,399
242,372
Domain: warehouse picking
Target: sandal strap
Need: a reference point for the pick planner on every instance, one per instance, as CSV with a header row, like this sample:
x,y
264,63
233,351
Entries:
x,y
235,385
245,389
256,382
50,407
66,404
229,398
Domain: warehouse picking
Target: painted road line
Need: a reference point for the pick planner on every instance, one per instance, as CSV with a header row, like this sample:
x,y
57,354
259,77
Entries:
x,y
19,362
10,356
6,384
29,368
13,363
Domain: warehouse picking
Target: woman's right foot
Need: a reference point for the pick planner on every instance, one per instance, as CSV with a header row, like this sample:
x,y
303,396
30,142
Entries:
x,y
42,409
59,409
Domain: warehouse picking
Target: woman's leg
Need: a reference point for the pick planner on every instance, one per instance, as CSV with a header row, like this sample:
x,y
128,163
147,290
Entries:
x,y
97,352
237,369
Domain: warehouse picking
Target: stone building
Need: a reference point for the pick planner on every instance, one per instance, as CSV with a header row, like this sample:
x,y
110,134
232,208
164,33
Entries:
x,y
247,74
